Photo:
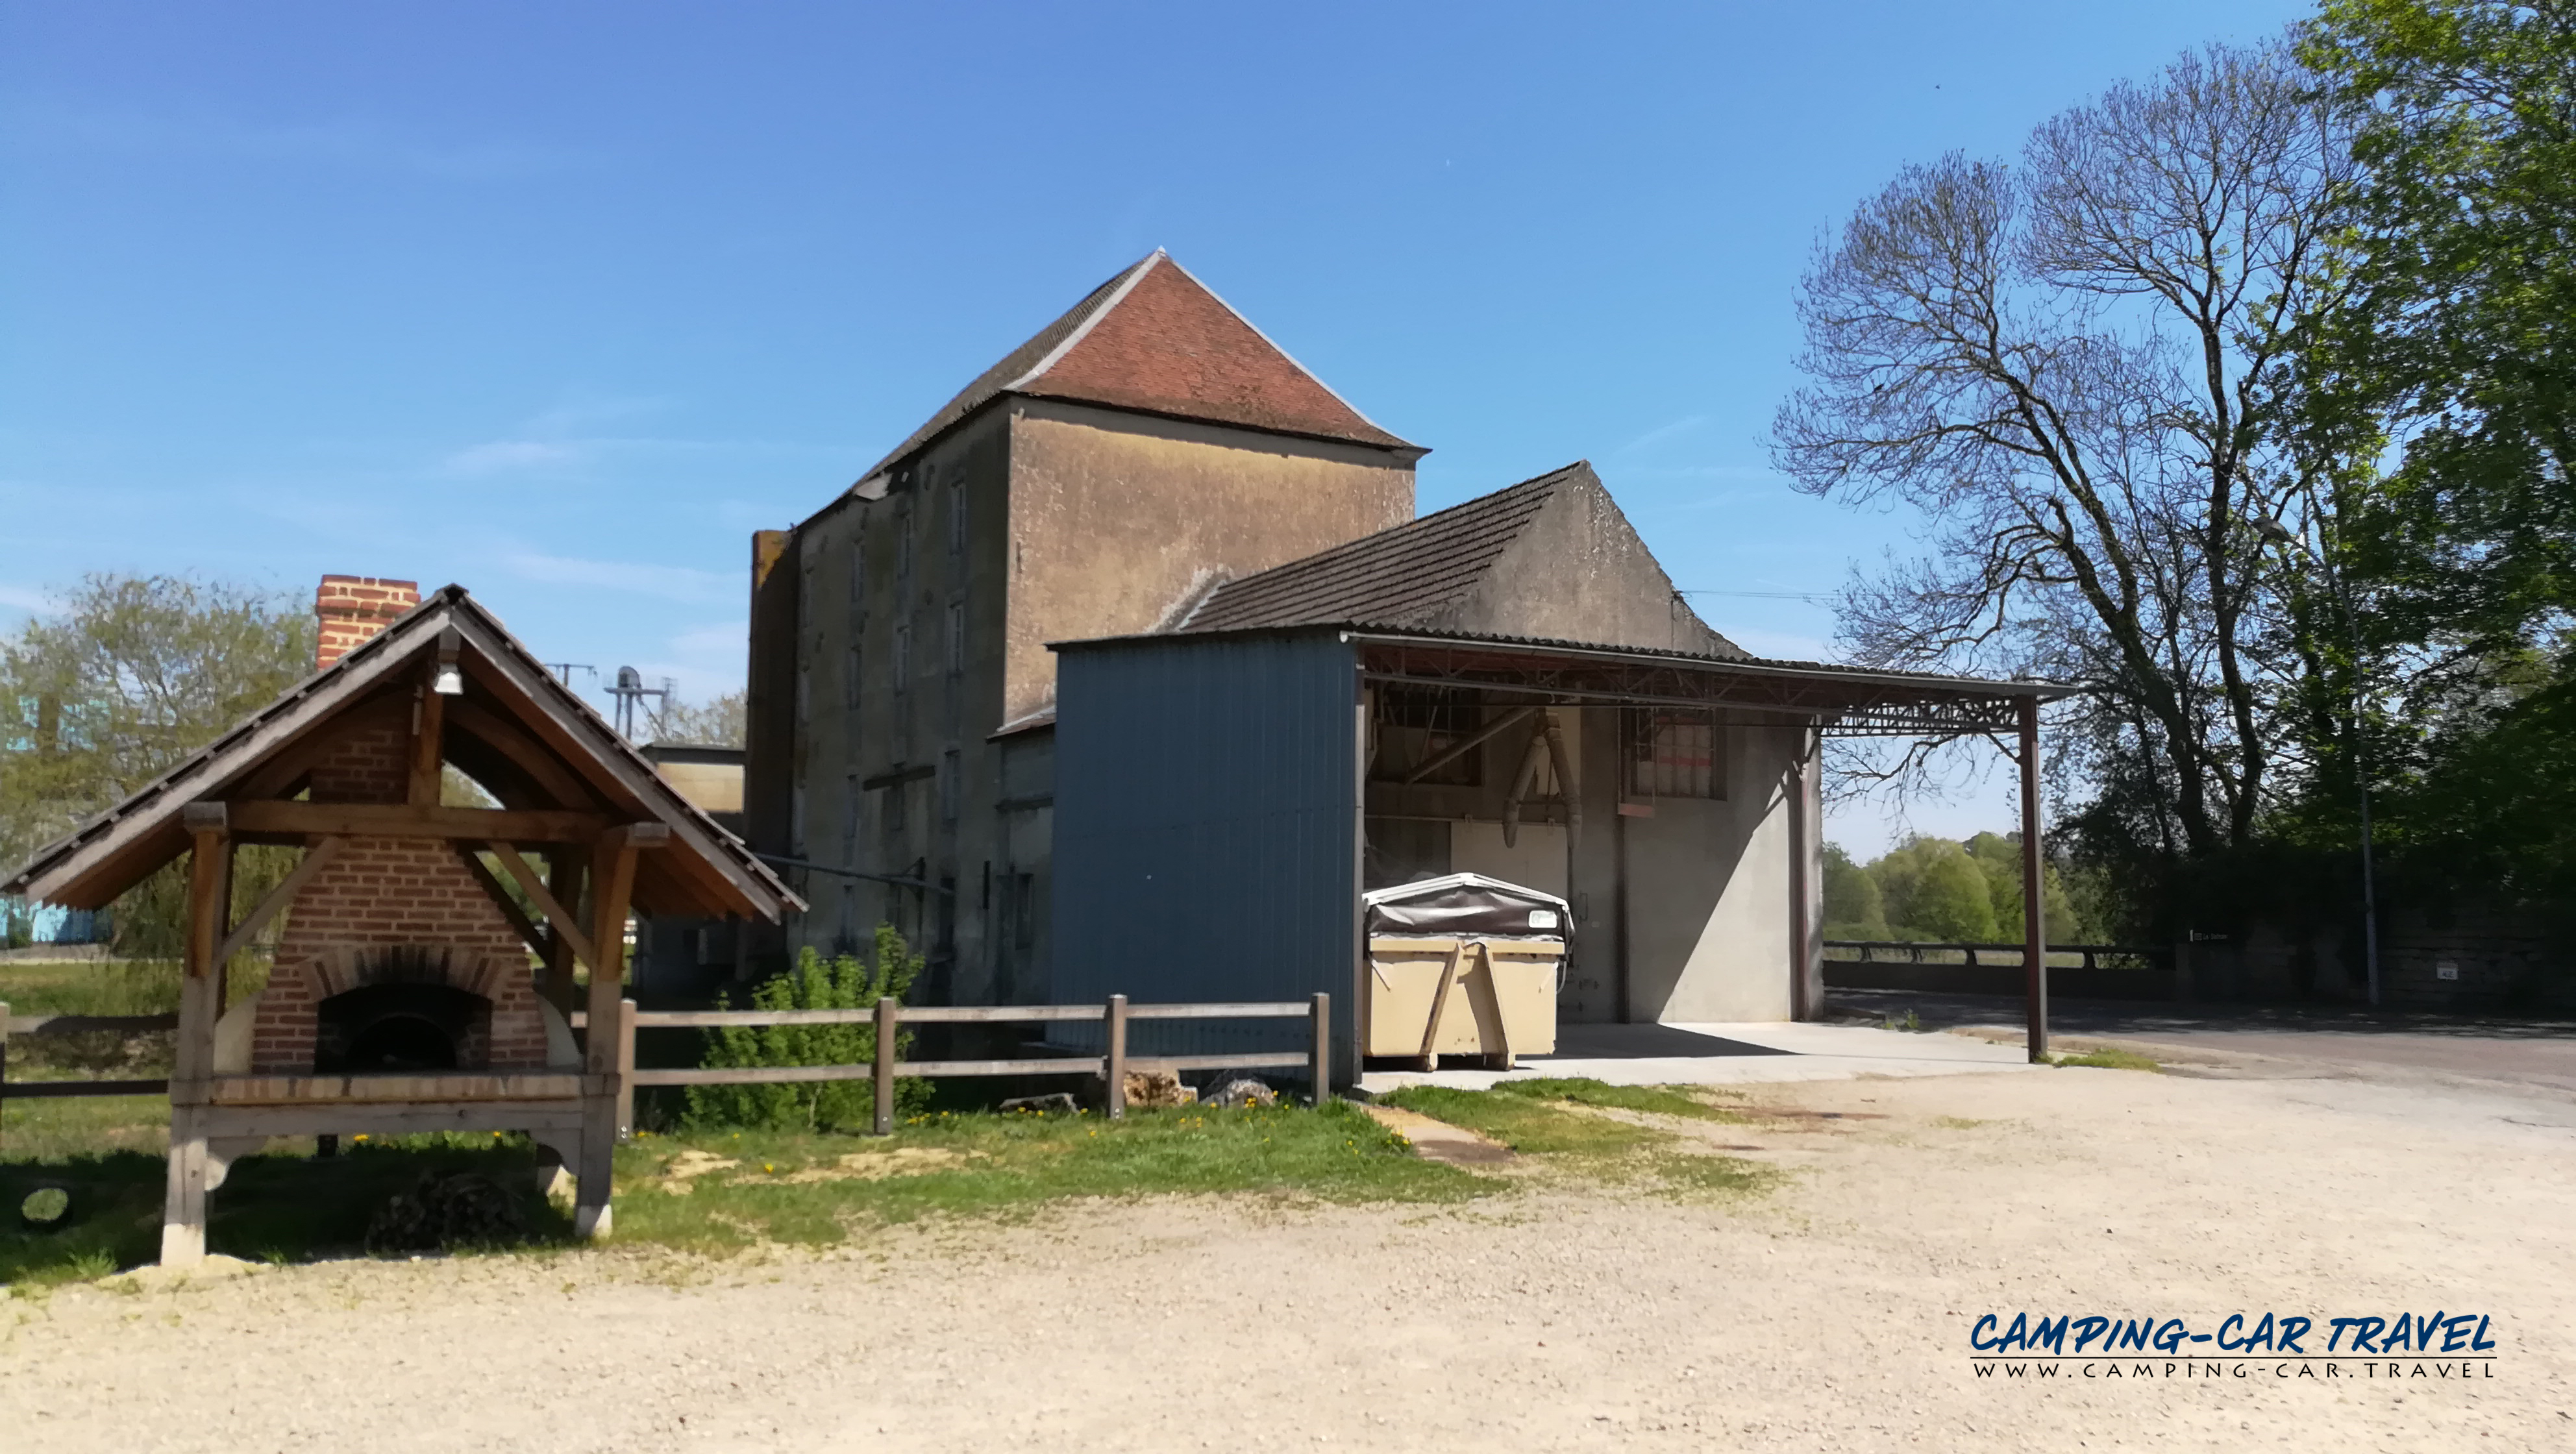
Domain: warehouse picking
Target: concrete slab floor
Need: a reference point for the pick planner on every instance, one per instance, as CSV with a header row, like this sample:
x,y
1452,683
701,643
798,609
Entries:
x,y
1728,1054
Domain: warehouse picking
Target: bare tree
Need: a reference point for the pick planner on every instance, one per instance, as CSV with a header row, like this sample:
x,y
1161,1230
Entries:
x,y
717,723
2077,368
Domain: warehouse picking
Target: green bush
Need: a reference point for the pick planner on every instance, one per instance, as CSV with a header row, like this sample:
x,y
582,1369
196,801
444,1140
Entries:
x,y
844,983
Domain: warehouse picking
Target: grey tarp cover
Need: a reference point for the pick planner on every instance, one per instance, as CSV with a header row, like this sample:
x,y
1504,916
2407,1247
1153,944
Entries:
x,y
1466,905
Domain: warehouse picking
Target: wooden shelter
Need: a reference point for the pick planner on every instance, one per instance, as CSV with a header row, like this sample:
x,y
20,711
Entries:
x,y
403,997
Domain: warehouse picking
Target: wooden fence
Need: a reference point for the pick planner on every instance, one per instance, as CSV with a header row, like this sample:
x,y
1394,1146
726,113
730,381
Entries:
x,y
50,1025
888,1017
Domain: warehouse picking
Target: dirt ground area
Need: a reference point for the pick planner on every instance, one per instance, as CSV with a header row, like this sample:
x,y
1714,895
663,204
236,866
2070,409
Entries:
x,y
1833,1313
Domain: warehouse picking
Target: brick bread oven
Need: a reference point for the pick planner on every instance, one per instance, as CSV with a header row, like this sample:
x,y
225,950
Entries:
x,y
405,994
389,912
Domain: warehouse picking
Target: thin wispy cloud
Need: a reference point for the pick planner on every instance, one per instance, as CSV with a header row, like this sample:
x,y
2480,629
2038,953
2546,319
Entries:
x,y
515,456
669,582
44,125
1660,434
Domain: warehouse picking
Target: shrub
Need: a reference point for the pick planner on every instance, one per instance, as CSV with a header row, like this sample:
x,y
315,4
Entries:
x,y
843,983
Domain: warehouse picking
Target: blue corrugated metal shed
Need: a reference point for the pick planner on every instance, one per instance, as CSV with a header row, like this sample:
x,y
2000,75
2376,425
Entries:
x,y
1207,831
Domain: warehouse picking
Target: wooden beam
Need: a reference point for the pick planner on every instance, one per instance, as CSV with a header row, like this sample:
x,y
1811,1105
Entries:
x,y
278,898
500,897
406,820
428,728
563,877
559,917
522,751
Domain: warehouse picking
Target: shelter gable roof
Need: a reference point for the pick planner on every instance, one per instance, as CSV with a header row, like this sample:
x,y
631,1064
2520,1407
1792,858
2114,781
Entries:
x,y
1155,339
558,734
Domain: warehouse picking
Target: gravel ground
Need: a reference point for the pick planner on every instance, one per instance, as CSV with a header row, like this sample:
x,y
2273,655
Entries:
x,y
1832,1314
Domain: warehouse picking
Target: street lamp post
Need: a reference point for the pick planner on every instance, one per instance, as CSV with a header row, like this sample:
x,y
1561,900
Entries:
x,y
2273,530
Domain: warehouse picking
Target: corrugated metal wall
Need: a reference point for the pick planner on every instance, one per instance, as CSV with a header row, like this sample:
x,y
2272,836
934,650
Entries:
x,y
1205,832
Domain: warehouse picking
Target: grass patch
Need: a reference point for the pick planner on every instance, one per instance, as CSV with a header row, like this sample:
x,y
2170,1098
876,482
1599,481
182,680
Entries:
x,y
1532,1118
1956,1123
2109,1057
803,1187
1584,1091
710,1190
277,1207
90,987
1528,1126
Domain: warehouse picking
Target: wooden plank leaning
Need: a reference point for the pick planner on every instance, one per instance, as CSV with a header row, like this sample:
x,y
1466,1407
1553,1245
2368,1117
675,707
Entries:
x,y
888,1014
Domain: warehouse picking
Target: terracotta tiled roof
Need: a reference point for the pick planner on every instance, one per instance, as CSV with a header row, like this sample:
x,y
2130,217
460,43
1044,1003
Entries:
x,y
1154,339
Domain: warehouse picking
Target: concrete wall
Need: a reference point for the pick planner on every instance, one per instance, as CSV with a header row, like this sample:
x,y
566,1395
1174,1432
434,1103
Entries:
x,y
1118,519
873,744
1579,572
1709,922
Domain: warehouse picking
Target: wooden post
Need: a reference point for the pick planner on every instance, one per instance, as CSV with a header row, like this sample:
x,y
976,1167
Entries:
x,y
428,722
612,880
563,881
1319,1066
625,1069
2034,931
886,1017
1114,1066
183,1210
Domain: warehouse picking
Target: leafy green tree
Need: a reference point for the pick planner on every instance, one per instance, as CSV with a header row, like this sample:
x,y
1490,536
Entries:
x,y
1854,907
2457,338
1934,890
130,675
842,983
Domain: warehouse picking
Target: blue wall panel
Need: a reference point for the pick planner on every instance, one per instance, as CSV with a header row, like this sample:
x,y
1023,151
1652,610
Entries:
x,y
1205,832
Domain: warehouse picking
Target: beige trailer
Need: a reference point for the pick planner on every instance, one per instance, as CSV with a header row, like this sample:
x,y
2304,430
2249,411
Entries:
x,y
1462,965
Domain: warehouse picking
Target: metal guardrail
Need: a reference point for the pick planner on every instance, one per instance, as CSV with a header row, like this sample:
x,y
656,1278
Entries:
x,y
1899,951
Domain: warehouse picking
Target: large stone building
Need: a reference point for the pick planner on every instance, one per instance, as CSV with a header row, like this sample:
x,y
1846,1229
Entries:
x,y
1095,482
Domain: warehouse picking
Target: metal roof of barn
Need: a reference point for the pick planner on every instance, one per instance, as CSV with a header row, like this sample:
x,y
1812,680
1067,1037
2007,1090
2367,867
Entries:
x,y
1853,701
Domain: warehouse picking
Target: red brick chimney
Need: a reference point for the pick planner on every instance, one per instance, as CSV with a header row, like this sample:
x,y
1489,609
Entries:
x,y
354,608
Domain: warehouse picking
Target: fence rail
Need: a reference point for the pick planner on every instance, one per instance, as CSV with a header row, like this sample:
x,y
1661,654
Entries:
x,y
36,1026
887,1016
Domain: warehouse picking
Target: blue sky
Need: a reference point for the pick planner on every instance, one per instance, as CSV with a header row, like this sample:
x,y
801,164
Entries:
x,y
563,301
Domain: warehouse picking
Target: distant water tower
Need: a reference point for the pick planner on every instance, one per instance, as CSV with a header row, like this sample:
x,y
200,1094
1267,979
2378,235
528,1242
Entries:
x,y
630,692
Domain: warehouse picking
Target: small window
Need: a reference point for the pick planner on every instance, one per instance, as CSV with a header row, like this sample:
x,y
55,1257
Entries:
x,y
858,578
902,654
850,678
956,638
948,786
895,796
902,557
850,822
1672,755
957,518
